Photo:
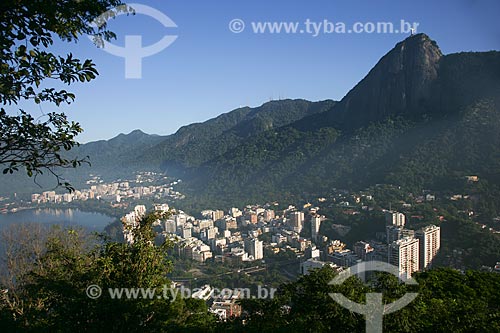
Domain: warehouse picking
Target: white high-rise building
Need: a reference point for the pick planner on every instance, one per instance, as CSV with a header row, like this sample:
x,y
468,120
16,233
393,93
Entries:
x,y
315,225
209,233
395,218
404,254
269,215
255,248
185,232
180,220
170,226
395,233
430,242
297,221
161,208
217,215
235,212
140,210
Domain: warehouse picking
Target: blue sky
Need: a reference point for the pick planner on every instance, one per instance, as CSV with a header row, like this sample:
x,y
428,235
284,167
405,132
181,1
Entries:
x,y
209,70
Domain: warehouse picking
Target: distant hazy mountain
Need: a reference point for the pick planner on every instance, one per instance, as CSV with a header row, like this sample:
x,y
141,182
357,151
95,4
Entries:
x,y
111,158
195,144
190,146
119,153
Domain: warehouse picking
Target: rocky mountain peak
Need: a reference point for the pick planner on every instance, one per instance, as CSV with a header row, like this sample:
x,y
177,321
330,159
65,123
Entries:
x,y
401,82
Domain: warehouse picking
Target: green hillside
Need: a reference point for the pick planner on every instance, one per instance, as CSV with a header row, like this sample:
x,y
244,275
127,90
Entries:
x,y
454,133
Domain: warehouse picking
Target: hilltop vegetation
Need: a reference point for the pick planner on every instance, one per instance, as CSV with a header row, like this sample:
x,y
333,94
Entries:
x,y
52,294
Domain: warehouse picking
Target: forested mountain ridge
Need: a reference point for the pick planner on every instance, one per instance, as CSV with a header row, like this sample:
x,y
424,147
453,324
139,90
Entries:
x,y
419,119
190,146
196,144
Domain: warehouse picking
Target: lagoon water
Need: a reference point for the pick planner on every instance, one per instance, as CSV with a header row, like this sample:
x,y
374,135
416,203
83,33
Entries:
x,y
65,217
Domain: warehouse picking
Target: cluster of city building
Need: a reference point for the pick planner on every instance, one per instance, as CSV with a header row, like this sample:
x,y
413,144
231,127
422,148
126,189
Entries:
x,y
409,250
116,191
234,236
215,236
